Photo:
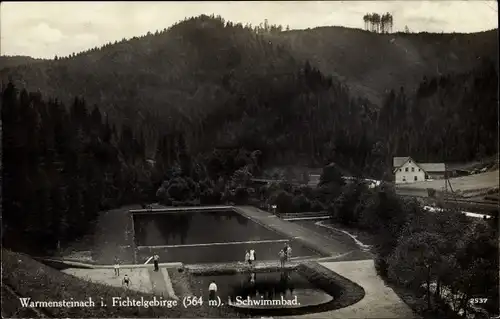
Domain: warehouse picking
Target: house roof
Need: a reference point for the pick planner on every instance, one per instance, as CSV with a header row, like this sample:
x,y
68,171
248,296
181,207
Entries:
x,y
398,161
428,167
432,167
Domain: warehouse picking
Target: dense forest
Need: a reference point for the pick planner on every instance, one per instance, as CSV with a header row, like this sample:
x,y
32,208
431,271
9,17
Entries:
x,y
225,84
61,167
451,118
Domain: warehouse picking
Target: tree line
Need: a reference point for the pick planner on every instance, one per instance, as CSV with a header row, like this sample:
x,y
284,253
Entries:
x,y
261,28
62,166
375,22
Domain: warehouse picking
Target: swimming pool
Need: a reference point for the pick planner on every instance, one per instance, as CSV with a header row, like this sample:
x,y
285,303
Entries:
x,y
246,291
269,284
205,237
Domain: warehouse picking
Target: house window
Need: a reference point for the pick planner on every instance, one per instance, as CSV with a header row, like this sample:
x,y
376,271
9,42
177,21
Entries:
x,y
406,169
415,178
404,178
419,170
400,170
413,169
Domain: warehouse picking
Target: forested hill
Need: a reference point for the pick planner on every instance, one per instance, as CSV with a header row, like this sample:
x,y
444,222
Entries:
x,y
449,117
233,85
222,83
16,60
371,63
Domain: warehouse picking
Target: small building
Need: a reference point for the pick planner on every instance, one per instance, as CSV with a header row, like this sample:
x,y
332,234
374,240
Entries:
x,y
406,170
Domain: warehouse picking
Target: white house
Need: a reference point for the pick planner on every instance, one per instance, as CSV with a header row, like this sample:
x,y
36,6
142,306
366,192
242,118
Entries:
x,y
406,170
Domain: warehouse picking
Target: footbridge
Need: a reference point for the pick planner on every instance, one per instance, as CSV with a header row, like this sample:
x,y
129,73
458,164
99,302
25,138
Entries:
x,y
305,216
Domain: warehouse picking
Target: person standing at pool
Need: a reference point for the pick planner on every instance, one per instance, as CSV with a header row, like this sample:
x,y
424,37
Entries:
x,y
252,257
288,252
117,267
156,258
247,257
212,290
282,256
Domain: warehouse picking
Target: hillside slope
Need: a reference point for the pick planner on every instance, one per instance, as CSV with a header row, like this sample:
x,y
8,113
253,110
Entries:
x,y
203,76
29,278
373,63
173,74
225,84
450,118
17,60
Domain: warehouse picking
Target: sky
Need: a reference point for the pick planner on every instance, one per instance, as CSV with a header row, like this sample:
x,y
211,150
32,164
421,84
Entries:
x,y
45,29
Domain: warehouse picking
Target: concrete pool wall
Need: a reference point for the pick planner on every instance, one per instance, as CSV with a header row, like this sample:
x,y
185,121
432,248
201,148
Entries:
x,y
319,279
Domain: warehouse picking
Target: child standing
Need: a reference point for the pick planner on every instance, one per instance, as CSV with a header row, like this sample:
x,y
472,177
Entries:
x,y
247,257
252,256
156,258
126,280
212,291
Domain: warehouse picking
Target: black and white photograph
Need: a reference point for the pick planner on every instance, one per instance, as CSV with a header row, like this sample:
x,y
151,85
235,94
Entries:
x,y
250,159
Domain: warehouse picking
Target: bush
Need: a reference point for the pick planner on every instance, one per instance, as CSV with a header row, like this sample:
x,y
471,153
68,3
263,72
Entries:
x,y
431,192
317,206
283,200
241,195
331,174
382,267
301,204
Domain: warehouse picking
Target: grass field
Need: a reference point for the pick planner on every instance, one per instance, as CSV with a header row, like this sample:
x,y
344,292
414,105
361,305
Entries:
x,y
467,185
139,277
110,237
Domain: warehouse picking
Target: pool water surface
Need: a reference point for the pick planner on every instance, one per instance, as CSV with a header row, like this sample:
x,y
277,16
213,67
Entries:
x,y
184,228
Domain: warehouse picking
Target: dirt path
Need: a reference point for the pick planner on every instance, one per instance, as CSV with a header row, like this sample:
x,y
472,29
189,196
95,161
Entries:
x,y
380,301
326,245
139,277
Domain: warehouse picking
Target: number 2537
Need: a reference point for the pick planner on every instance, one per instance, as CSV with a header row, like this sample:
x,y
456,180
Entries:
x,y
479,300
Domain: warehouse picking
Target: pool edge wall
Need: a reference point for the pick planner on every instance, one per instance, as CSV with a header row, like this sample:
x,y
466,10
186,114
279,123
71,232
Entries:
x,y
344,292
